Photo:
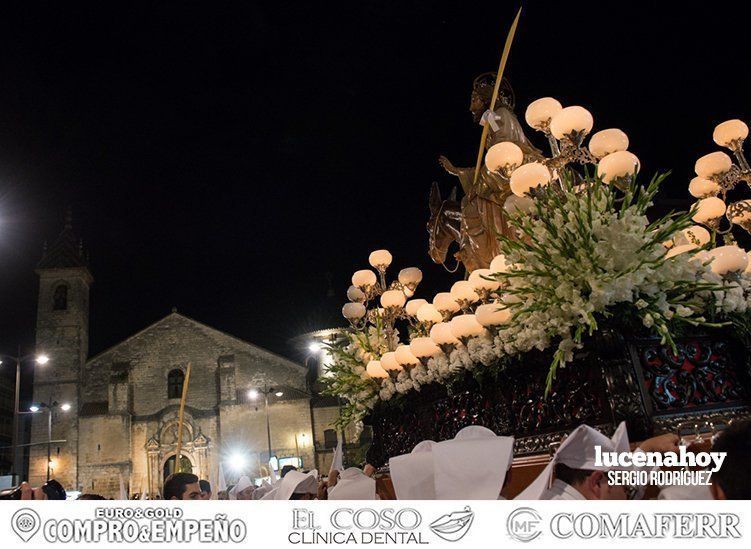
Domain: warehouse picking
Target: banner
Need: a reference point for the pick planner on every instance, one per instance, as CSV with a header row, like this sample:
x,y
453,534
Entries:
x,y
374,523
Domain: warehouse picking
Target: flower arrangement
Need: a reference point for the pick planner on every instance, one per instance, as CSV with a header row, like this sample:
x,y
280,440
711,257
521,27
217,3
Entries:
x,y
589,252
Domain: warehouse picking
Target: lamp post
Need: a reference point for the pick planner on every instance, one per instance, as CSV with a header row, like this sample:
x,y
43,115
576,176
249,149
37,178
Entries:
x,y
49,408
41,359
253,394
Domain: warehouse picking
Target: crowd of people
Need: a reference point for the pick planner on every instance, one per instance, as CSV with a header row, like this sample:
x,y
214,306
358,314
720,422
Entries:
x,y
476,464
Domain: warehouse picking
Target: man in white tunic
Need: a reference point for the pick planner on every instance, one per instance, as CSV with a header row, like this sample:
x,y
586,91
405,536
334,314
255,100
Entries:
x,y
473,465
352,483
295,485
573,473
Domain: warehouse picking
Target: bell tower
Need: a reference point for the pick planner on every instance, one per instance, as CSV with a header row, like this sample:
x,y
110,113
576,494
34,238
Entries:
x,y
62,332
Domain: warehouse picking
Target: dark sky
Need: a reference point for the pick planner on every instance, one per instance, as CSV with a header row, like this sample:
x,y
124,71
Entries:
x,y
224,159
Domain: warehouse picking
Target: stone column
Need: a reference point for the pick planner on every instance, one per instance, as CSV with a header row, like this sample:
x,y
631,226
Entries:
x,y
153,474
201,454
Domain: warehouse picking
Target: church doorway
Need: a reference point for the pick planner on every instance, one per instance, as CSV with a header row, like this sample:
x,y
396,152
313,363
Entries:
x,y
169,465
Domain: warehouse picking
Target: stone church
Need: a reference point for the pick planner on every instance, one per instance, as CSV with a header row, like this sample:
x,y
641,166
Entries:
x,y
124,402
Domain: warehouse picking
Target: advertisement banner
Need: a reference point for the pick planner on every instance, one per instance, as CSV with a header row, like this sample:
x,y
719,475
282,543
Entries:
x,y
374,523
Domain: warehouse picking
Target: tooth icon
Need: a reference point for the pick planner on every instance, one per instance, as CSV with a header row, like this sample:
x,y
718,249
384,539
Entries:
x,y
454,526
25,523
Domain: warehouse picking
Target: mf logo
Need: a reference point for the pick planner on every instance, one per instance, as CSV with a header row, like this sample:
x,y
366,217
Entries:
x,y
303,519
524,524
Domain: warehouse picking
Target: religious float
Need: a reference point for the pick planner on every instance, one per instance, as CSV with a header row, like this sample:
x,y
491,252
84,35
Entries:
x,y
576,307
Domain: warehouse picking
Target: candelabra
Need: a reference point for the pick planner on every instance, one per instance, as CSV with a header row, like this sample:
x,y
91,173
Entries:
x,y
367,286
565,129
471,308
716,176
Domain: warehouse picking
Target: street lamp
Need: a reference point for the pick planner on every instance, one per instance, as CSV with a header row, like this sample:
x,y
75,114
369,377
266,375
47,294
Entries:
x,y
49,408
237,462
41,359
253,394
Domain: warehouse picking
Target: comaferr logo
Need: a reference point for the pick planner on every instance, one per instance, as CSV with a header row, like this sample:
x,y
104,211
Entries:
x,y
524,524
640,525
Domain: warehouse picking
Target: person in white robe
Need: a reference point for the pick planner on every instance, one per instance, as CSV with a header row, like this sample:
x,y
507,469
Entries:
x,y
295,485
352,483
262,490
473,465
573,474
243,489
412,474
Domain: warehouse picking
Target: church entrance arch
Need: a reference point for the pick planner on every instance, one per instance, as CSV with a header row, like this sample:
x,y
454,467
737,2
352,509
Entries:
x,y
169,465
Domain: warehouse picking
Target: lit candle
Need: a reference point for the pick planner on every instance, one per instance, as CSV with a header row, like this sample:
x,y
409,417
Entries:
x,y
411,276
696,234
729,132
389,362
499,264
464,326
504,156
709,209
380,259
413,305
364,278
355,294
608,141
441,334
727,259
713,165
445,302
428,313
393,299
464,290
404,356
541,111
353,311
529,176
616,165
492,314
571,120
375,370
479,282
424,347
701,187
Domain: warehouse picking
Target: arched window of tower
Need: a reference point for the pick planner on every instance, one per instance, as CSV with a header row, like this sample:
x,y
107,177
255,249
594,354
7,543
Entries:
x,y
60,299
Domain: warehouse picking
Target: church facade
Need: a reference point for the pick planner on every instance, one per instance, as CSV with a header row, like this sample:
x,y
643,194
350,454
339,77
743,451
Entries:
x,y
122,420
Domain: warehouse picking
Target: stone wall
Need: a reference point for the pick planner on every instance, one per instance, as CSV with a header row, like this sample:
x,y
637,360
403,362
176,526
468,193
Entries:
x,y
104,454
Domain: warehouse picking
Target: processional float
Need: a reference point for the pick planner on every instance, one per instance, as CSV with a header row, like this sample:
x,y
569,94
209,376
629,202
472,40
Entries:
x,y
576,308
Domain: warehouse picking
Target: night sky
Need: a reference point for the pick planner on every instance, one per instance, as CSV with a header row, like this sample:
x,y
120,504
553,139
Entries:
x,y
239,163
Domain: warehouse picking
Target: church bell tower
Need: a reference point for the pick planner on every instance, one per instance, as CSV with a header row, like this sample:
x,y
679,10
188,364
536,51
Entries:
x,y
62,332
